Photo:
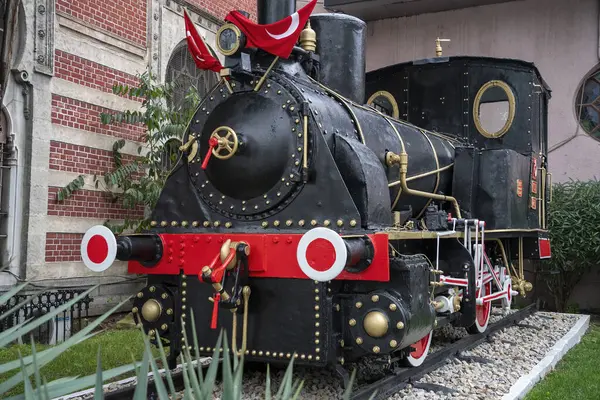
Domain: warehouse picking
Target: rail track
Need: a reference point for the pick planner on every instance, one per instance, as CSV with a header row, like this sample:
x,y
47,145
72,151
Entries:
x,y
404,376
387,386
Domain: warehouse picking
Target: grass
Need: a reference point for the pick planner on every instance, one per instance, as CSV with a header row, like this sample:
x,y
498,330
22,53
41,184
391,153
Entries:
x,y
117,347
576,375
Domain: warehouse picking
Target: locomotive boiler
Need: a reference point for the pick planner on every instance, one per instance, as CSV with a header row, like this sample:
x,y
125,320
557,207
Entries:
x,y
312,224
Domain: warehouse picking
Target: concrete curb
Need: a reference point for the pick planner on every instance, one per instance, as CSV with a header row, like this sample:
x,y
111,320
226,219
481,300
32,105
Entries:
x,y
521,387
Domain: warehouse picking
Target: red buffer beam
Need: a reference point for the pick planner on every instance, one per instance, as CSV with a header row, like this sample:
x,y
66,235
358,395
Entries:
x,y
319,254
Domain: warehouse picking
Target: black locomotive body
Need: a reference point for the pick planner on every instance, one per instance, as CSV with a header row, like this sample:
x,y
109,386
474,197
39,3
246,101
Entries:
x,y
310,224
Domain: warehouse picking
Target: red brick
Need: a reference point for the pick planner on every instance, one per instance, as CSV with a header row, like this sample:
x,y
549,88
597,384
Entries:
x,y
90,204
124,18
80,115
221,8
84,160
88,73
63,247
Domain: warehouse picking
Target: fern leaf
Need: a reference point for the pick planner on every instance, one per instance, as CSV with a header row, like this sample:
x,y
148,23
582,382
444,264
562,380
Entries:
x,y
117,156
66,192
116,177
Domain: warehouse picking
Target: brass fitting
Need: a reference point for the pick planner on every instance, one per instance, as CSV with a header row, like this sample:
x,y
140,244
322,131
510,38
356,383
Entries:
x,y
391,158
308,38
456,303
402,160
218,287
186,146
403,163
225,72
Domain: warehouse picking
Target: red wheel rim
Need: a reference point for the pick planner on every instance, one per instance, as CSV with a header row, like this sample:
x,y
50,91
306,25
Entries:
x,y
420,347
482,312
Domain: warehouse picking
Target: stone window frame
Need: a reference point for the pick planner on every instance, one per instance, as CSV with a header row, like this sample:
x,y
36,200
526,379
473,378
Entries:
x,y
587,104
188,70
206,79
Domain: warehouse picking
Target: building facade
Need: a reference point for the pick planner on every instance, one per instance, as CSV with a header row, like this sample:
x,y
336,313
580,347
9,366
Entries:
x,y
67,54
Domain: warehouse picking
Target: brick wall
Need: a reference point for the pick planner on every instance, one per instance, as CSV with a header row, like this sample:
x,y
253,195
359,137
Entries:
x,y
90,204
90,74
221,8
70,157
63,246
80,115
124,18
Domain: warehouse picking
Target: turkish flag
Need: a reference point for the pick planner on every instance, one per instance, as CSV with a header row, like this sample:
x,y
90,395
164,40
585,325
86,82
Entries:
x,y
200,53
277,38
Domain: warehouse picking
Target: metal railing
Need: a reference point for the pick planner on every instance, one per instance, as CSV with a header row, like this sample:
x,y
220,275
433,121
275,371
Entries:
x,y
57,329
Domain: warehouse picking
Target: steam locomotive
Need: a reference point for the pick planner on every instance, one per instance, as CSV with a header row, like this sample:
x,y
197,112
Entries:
x,y
313,225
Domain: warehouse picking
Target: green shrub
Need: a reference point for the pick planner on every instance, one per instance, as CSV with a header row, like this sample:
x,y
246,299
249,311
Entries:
x,y
574,226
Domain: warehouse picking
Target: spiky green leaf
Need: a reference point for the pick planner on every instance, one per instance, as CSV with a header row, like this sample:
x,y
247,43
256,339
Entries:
x,y
57,350
99,391
25,329
11,293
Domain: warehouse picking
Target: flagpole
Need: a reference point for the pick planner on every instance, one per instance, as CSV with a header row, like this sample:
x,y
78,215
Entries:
x,y
224,73
262,79
229,88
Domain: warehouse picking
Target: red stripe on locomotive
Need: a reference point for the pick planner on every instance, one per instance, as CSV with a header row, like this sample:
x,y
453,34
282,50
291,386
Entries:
x,y
271,256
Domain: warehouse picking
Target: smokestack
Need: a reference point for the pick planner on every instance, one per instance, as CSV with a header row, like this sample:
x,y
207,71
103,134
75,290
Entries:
x,y
270,11
341,42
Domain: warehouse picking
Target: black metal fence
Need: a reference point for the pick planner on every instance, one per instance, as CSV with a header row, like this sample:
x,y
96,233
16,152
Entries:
x,y
55,330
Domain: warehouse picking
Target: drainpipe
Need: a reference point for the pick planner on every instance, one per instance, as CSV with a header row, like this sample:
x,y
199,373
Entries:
x,y
18,197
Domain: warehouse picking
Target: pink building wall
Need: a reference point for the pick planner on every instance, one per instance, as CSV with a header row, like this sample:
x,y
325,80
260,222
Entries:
x,y
560,37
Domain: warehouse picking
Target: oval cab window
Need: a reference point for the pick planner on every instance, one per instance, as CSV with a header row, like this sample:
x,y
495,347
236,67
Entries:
x,y
385,103
494,109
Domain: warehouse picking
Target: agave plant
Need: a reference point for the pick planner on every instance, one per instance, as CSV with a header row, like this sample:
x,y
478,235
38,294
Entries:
x,y
200,386
30,365
197,384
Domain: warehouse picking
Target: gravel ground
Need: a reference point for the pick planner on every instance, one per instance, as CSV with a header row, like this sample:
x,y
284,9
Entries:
x,y
512,352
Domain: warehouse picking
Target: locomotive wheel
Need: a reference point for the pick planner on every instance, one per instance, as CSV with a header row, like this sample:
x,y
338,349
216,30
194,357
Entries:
x,y
507,286
482,312
420,352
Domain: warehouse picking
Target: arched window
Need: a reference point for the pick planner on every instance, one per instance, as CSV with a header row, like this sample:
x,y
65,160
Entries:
x,y
587,104
169,154
183,74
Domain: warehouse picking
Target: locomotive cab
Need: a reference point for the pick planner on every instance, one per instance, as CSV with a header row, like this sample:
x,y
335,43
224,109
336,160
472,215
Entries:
x,y
498,107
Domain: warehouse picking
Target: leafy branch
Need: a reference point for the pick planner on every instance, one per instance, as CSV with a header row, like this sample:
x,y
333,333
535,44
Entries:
x,y
138,183
72,187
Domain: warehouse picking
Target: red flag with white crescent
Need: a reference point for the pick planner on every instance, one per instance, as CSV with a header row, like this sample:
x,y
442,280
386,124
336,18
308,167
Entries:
x,y
200,53
277,38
